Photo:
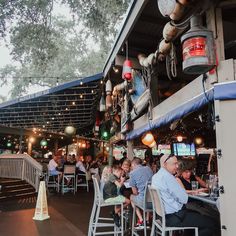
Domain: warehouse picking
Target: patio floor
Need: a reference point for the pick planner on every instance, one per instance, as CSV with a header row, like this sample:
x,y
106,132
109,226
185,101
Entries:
x,y
69,215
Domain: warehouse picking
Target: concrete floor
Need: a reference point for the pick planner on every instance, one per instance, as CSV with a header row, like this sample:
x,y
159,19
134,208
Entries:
x,y
69,216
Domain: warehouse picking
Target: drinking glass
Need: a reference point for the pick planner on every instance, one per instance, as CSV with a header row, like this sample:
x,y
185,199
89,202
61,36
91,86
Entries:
x,y
194,185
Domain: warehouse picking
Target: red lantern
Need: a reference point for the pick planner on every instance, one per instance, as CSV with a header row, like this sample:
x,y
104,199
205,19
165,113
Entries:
x,y
127,70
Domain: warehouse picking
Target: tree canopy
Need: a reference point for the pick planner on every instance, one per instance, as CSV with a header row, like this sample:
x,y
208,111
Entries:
x,y
50,48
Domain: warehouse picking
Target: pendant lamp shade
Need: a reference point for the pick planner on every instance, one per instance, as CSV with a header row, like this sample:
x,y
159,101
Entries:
x,y
148,139
70,130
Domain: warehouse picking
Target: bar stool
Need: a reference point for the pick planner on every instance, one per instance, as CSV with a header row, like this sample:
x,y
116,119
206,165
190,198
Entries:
x,y
69,176
160,221
52,181
101,222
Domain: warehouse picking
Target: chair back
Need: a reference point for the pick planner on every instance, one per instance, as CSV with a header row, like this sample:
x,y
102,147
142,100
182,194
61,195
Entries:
x,y
147,197
157,204
69,169
96,185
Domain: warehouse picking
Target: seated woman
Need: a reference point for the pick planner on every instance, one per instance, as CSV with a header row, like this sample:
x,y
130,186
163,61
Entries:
x,y
186,176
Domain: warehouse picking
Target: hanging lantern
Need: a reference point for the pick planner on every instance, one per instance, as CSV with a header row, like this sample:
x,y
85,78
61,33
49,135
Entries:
x,y
108,94
127,70
102,105
147,139
43,142
198,48
70,130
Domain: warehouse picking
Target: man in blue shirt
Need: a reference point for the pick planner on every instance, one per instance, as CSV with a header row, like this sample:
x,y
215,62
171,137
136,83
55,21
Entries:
x,y
139,176
174,198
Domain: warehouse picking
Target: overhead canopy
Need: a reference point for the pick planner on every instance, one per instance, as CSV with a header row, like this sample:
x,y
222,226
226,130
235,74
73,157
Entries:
x,y
73,103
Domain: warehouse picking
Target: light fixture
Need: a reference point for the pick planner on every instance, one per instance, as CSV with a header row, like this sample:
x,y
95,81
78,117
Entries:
x,y
198,48
9,144
179,138
115,69
31,139
81,82
147,138
198,140
92,91
81,95
43,142
70,130
73,103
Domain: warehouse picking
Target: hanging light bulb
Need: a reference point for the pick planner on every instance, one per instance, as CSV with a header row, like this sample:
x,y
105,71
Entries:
x,y
179,138
147,139
198,140
108,94
102,105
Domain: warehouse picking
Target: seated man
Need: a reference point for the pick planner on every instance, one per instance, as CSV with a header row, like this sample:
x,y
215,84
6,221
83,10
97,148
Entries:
x,y
174,198
53,167
139,176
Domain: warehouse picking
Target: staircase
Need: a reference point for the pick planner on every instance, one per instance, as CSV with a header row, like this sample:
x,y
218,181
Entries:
x,y
15,189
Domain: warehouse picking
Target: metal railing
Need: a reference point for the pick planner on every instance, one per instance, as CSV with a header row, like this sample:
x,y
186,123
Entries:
x,y
21,166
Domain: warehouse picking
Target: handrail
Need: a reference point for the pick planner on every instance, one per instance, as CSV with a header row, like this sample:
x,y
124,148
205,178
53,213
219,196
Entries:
x,y
21,166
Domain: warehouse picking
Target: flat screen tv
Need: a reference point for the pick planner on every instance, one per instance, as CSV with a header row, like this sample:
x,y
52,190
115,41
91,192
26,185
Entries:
x,y
184,149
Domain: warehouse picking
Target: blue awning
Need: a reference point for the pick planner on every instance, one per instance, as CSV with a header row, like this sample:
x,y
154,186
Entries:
x,y
190,106
225,91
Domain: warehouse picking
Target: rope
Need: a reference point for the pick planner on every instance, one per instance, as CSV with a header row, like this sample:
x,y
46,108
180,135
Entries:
x,y
171,61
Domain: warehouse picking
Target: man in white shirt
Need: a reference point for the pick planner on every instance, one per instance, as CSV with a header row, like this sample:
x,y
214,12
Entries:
x,y
174,198
52,167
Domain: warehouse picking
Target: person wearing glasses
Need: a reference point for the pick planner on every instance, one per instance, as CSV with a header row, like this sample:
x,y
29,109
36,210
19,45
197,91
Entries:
x,y
174,198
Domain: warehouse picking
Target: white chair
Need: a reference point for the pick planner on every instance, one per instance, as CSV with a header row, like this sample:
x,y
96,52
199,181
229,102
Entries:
x,y
101,225
159,220
68,176
52,181
145,207
85,180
